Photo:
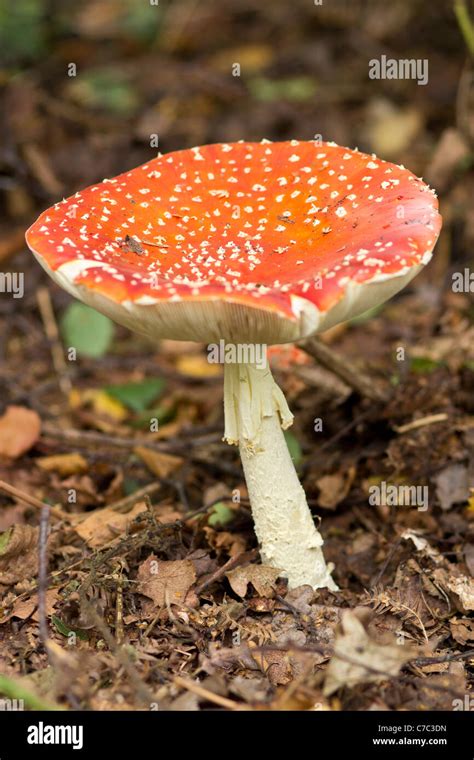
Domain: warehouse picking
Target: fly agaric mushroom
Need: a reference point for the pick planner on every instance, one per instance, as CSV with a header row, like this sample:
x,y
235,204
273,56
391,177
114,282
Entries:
x,y
259,243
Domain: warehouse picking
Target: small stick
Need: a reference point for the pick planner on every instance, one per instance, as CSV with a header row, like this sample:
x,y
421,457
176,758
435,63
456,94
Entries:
x,y
92,438
229,704
229,565
52,333
129,501
41,169
122,655
43,574
56,512
465,24
422,422
344,369
119,630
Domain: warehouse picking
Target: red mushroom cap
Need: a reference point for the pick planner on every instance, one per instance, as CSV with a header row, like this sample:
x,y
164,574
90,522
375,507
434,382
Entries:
x,y
266,242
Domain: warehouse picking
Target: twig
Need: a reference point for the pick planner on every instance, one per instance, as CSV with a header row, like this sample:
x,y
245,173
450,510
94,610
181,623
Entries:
x,y
52,333
363,384
340,434
119,630
465,24
123,505
439,660
41,169
93,438
388,559
229,565
56,512
43,574
421,422
195,512
228,704
120,653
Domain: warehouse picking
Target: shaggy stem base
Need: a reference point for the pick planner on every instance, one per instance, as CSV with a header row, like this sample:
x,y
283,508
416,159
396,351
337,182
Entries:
x,y
255,413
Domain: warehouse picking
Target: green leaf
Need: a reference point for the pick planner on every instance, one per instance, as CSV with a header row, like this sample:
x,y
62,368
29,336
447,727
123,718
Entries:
x,y
137,396
105,89
130,485
291,88
161,413
65,630
293,447
422,365
17,690
221,515
86,330
23,30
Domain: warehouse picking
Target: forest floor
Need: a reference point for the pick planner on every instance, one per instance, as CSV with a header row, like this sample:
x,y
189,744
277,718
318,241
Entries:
x,y
154,596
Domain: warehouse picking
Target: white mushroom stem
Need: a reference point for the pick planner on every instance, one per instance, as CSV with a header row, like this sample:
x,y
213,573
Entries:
x,y
255,413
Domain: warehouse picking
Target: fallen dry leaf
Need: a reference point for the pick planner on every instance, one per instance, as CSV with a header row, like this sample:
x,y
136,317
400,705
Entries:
x,y
469,557
452,485
103,525
359,659
19,430
166,582
223,541
159,463
197,366
391,129
334,488
63,464
18,554
262,578
462,630
460,586
101,403
23,608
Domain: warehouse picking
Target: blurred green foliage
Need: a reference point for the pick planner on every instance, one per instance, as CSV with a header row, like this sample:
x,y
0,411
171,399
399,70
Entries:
x,y
221,515
86,330
29,29
293,447
293,88
105,89
23,32
423,365
137,396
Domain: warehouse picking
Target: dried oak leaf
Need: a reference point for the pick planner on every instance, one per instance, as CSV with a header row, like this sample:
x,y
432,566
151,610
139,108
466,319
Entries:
x,y
158,462
18,554
462,630
165,582
103,525
19,430
359,659
64,464
334,488
460,587
262,578
452,485
23,608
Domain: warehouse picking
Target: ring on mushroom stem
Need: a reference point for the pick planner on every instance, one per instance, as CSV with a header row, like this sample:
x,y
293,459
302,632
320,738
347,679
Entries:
x,y
253,243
